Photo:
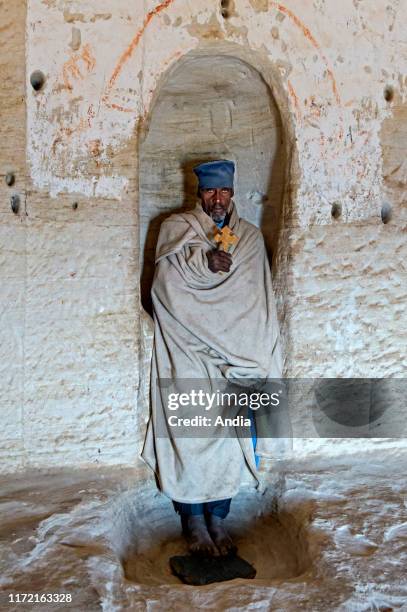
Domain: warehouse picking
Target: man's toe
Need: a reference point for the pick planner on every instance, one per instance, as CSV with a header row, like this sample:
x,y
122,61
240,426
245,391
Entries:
x,y
227,548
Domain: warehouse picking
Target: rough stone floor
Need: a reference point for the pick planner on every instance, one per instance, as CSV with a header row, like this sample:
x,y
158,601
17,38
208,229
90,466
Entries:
x,y
327,535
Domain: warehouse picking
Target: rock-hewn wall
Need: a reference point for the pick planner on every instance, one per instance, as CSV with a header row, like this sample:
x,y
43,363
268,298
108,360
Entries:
x,y
12,231
73,362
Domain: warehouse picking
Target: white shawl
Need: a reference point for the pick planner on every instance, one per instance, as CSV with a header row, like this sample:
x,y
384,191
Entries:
x,y
209,326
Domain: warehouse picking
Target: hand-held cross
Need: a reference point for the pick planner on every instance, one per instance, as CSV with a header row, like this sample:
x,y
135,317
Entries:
x,y
226,239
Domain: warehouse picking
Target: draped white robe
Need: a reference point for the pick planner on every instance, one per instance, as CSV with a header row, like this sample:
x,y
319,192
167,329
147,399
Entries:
x,y
209,326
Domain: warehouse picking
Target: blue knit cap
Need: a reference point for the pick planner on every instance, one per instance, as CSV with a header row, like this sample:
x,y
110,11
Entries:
x,y
215,174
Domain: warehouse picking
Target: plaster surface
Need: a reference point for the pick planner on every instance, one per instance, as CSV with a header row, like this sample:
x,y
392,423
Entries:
x,y
74,339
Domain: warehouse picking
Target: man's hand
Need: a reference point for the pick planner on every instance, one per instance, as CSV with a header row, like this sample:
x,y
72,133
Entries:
x,y
219,261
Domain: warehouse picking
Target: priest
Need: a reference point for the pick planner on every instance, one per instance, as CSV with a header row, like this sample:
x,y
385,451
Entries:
x,y
214,320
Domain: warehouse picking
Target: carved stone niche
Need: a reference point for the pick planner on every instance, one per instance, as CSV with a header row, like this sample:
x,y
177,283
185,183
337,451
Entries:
x,y
210,106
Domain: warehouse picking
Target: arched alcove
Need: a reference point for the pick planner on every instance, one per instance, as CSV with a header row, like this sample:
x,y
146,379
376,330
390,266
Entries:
x,y
210,106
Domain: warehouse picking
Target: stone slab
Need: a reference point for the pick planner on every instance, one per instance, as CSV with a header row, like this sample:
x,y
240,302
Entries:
x,y
198,571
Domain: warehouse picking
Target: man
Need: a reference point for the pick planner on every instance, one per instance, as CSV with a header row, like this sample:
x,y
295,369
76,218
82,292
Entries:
x,y
214,318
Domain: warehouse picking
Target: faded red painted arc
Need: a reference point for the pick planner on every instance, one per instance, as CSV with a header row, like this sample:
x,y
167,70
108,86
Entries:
x,y
307,33
163,5
294,97
133,44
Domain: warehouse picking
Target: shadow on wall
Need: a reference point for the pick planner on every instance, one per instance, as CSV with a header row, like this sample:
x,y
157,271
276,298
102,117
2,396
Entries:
x,y
189,193
210,107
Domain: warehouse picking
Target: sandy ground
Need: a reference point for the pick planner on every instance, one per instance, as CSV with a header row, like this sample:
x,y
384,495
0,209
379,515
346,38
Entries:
x,y
328,534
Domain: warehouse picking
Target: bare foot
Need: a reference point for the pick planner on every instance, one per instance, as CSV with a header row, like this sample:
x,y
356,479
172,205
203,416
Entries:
x,y
220,536
197,536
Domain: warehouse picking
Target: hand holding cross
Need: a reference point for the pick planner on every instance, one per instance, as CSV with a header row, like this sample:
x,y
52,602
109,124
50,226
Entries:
x,y
220,260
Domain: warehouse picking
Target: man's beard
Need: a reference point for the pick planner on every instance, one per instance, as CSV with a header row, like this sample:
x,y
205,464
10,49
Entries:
x,y
218,217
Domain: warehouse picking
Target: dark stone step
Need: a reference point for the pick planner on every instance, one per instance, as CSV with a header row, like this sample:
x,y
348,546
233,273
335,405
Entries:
x,y
198,570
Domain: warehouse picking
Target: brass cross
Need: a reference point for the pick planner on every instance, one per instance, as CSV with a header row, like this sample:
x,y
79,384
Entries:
x,y
226,239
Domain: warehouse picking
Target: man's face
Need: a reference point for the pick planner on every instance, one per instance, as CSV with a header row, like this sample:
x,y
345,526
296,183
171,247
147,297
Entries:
x,y
215,202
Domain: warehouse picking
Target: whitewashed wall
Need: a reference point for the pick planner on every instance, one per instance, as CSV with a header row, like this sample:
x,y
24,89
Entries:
x,y
70,317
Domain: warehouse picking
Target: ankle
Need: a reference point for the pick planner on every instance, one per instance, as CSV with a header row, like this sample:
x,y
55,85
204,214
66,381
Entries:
x,y
196,519
189,521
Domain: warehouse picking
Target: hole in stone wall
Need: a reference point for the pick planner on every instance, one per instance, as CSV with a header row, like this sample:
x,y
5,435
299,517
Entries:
x,y
10,179
388,93
15,203
210,107
386,212
336,210
225,8
37,80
